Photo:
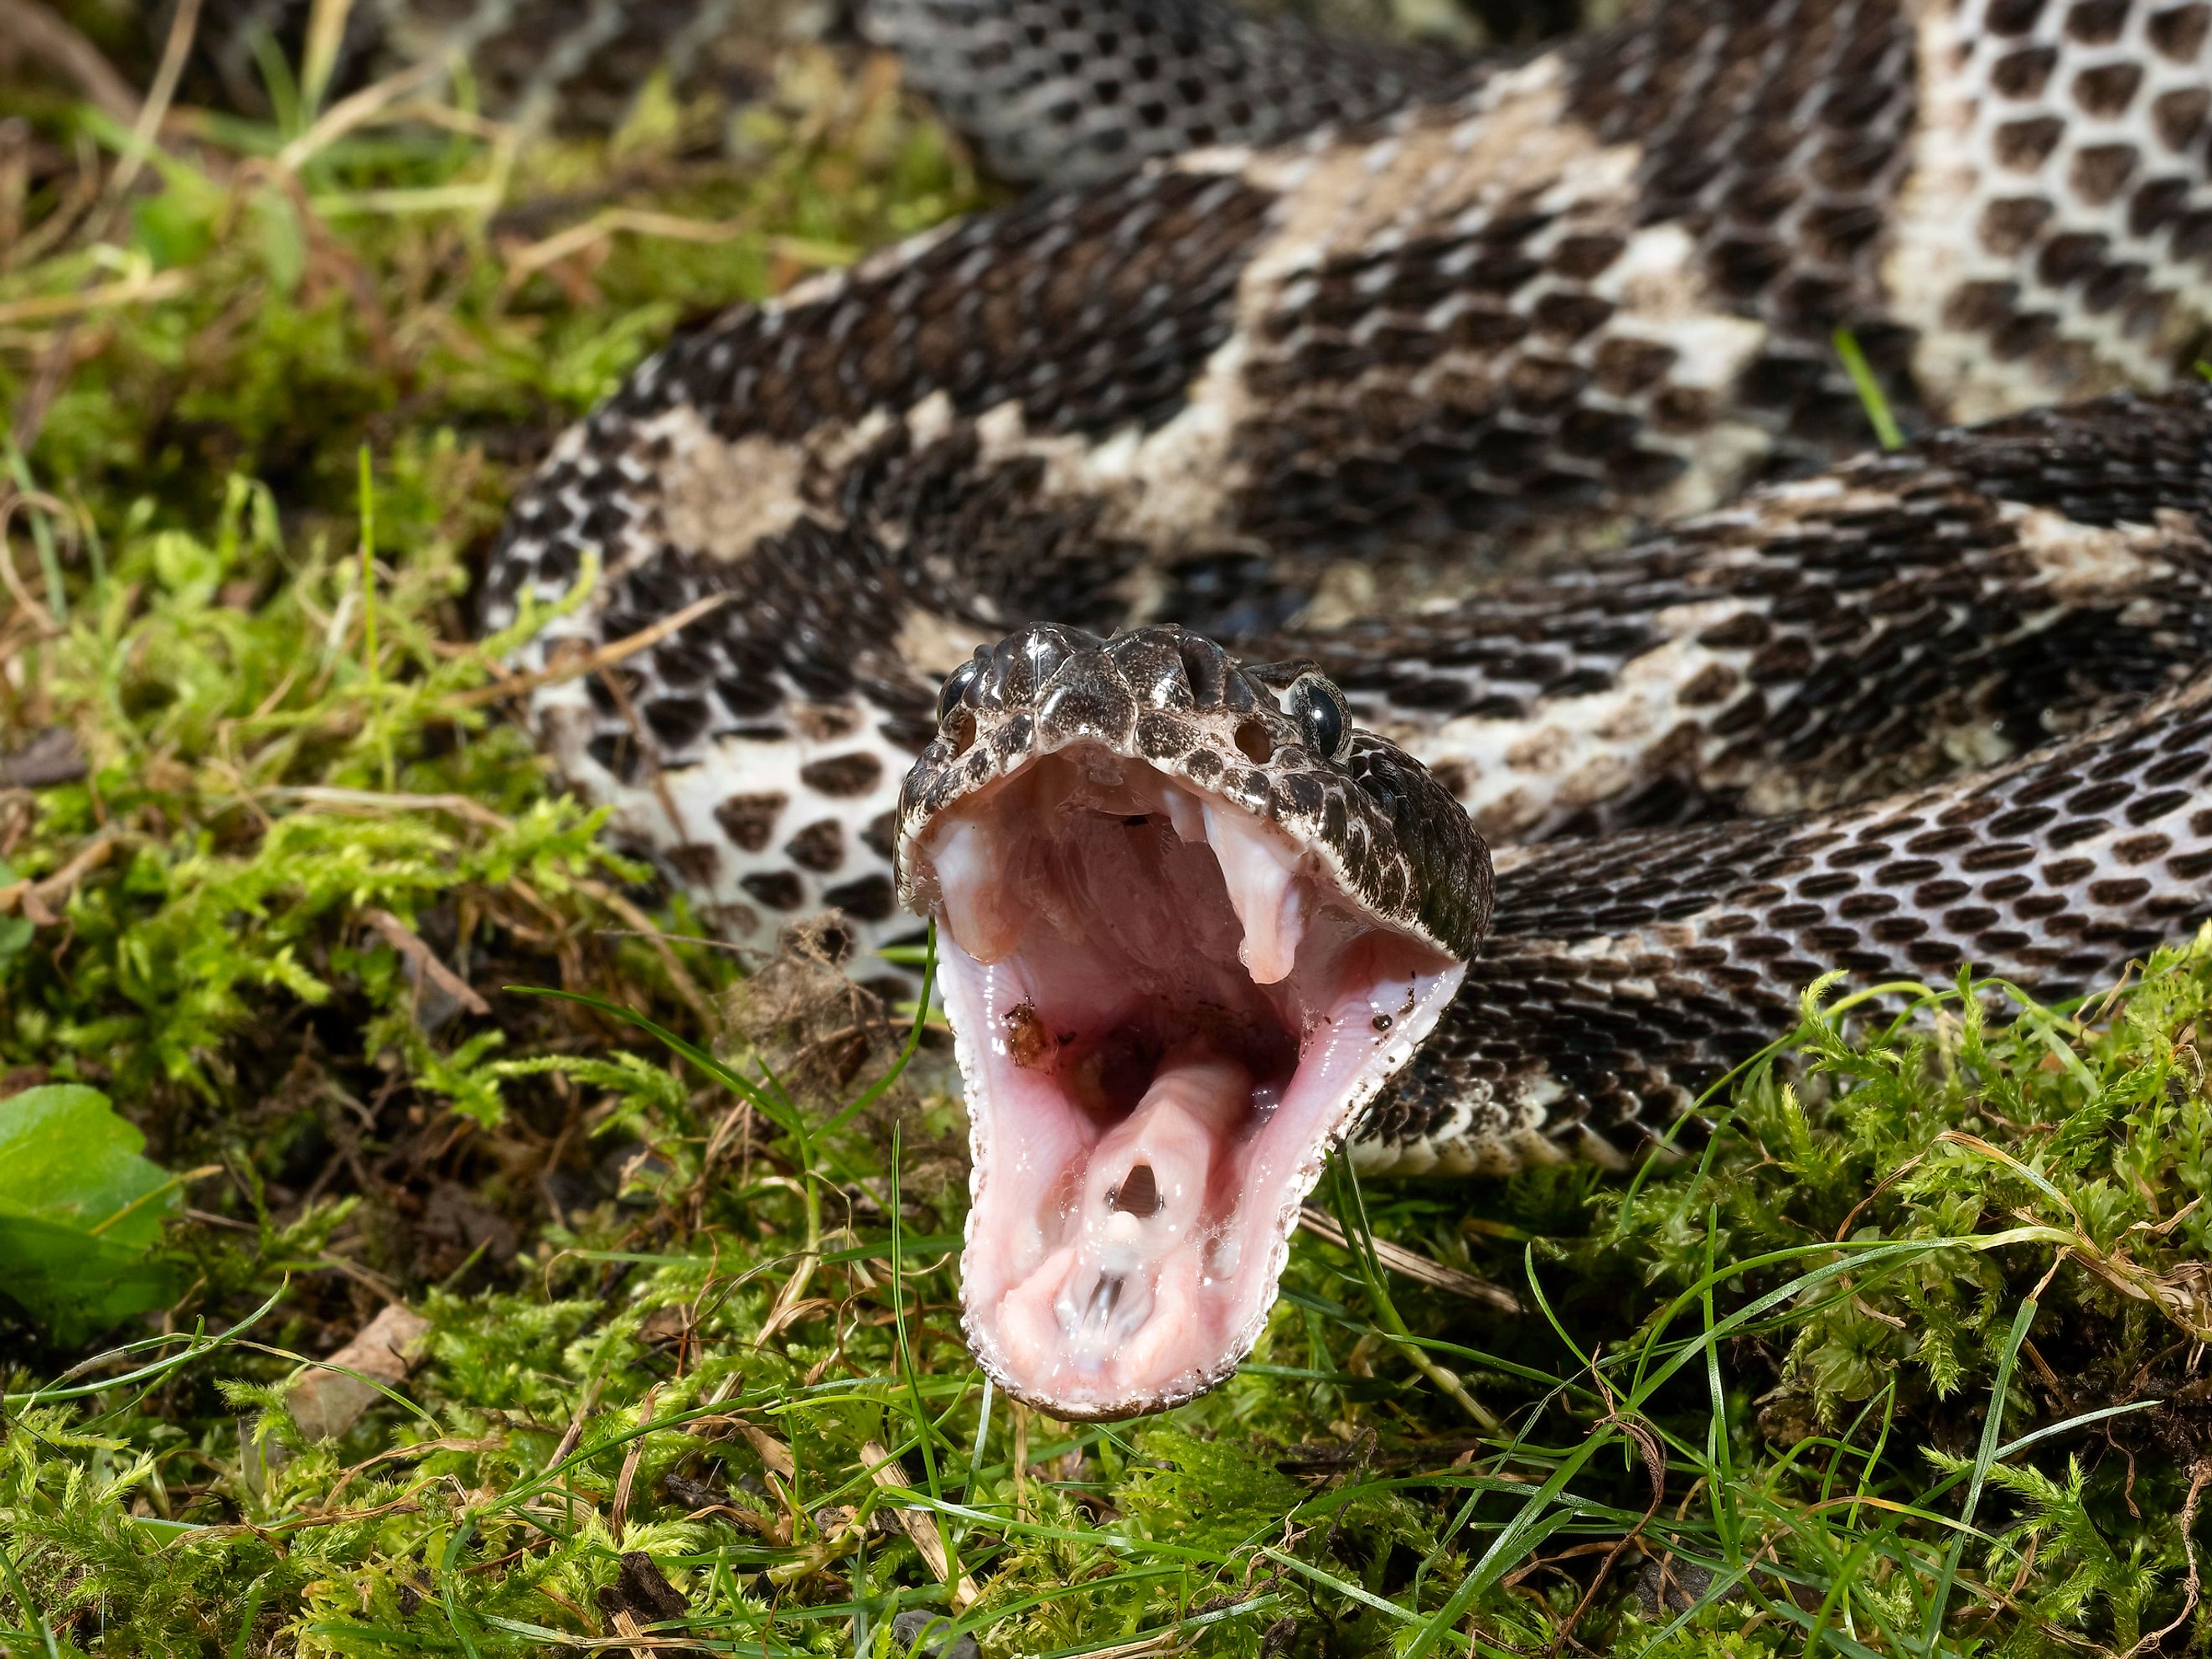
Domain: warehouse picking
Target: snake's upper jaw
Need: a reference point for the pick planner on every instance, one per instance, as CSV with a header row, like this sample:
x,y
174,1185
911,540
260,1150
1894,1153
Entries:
x,y
1167,1008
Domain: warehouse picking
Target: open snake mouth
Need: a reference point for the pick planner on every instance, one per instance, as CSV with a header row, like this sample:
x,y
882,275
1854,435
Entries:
x,y
1166,1007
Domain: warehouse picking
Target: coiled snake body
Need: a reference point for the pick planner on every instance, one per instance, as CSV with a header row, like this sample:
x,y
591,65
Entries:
x,y
1343,406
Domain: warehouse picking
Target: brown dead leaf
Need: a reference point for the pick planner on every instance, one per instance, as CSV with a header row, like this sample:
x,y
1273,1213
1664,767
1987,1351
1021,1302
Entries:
x,y
327,1401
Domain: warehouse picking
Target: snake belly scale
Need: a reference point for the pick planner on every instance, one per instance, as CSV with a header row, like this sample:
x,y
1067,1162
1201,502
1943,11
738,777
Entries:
x,y
1413,614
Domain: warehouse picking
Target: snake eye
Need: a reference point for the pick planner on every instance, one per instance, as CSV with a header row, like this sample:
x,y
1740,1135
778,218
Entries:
x,y
956,687
1323,720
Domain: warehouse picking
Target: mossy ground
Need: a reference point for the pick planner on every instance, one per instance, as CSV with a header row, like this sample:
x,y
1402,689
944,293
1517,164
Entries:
x,y
1906,1359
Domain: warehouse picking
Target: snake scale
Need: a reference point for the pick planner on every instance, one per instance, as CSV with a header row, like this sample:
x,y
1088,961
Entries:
x,y
1431,665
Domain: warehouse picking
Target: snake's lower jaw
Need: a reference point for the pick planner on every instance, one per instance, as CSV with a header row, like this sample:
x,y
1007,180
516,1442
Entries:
x,y
1166,1013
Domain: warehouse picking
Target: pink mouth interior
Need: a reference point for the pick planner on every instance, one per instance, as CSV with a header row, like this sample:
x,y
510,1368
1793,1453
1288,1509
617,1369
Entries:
x,y
1164,1012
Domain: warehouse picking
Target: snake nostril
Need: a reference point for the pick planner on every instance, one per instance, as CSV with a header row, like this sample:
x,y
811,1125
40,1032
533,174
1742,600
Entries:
x,y
1255,743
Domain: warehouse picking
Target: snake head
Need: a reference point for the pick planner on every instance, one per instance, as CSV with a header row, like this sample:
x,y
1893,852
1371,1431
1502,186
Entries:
x,y
1190,920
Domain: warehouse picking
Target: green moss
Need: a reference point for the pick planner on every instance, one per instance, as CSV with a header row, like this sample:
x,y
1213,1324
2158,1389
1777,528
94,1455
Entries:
x,y
1791,1420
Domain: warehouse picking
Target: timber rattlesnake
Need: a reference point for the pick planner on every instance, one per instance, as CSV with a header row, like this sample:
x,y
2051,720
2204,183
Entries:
x,y
1348,402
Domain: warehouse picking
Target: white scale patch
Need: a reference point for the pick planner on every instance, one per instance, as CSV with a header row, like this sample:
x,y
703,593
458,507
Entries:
x,y
1971,156
1523,774
1521,777
679,809
2086,561
1484,1133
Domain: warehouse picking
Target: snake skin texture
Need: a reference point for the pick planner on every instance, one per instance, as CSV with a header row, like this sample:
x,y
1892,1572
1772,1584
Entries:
x,y
1626,974
1881,624
1050,91
1353,398
1069,94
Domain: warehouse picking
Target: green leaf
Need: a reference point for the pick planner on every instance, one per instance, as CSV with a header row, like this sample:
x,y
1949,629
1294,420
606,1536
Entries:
x,y
80,1208
284,242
